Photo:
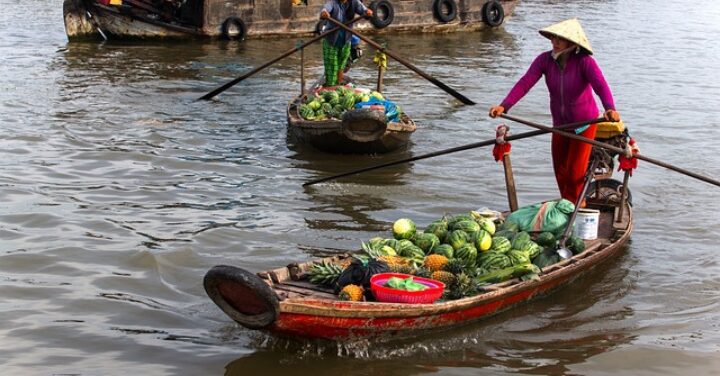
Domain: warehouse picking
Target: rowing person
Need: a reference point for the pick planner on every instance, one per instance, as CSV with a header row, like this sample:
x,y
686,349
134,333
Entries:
x,y
336,46
571,75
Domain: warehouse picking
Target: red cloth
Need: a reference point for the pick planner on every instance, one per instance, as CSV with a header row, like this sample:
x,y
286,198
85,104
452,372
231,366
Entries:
x,y
629,164
570,161
501,149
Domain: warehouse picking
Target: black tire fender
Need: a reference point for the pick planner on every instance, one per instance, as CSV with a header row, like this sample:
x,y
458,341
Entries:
x,y
493,13
610,191
238,24
242,295
445,10
320,27
383,20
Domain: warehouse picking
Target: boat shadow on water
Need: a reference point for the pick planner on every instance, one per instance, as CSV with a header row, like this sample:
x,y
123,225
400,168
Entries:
x,y
549,336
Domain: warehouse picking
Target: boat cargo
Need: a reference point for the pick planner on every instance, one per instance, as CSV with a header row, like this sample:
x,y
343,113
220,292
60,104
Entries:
x,y
285,302
240,19
354,131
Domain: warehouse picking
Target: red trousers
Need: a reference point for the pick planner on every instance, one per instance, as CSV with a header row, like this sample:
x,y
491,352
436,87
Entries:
x,y
570,161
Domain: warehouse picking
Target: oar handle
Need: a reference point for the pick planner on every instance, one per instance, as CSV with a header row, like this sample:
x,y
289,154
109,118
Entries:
x,y
612,148
406,63
287,53
448,151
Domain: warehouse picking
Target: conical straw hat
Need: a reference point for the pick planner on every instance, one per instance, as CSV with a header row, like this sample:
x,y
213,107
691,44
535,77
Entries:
x,y
570,30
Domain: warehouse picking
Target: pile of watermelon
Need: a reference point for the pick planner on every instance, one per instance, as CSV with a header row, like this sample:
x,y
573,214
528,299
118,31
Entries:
x,y
327,103
483,244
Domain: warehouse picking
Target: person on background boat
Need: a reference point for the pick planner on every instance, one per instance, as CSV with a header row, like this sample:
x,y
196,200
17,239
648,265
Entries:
x,y
336,46
571,76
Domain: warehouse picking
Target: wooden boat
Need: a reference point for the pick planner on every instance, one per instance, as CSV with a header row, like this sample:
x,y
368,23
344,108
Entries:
x,y
360,131
239,19
280,301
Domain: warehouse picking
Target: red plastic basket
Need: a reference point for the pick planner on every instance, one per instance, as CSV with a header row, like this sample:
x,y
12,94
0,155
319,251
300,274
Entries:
x,y
388,295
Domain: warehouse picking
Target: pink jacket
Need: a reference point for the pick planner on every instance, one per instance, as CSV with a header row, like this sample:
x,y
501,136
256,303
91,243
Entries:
x,y
571,97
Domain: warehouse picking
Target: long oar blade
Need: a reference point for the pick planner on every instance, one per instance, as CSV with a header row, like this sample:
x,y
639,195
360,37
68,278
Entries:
x,y
448,151
234,82
612,148
406,63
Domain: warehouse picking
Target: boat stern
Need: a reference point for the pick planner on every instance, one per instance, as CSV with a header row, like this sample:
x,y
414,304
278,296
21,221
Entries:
x,y
78,24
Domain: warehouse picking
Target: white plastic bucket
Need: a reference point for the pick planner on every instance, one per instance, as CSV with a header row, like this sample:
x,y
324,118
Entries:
x,y
586,223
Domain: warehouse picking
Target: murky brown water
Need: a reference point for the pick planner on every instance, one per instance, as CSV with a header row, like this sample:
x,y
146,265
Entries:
x,y
118,192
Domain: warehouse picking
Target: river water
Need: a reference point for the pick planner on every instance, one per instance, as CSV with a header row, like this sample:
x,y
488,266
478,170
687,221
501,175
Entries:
x,y
118,192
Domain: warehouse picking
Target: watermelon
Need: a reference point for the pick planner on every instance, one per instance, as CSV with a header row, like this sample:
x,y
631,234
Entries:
x,y
439,228
391,243
506,234
445,250
426,241
347,102
575,244
483,240
457,218
467,226
510,226
413,252
520,239
402,245
457,239
500,244
403,228
314,104
467,253
487,224
494,261
546,239
518,257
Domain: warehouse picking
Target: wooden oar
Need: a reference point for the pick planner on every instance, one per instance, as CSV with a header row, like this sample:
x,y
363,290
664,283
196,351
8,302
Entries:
x,y
234,82
451,150
612,148
406,63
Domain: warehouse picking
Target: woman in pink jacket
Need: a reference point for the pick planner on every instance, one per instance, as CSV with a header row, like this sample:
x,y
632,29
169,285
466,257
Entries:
x,y
571,75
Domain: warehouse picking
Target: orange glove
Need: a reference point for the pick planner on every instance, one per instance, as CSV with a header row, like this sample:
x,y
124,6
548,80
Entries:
x,y
324,14
368,13
496,111
611,115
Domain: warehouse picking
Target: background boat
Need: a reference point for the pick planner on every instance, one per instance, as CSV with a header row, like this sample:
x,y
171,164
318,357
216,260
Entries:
x,y
239,19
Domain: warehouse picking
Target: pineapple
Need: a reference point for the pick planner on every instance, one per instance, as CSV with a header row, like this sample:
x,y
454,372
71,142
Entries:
x,y
353,293
454,266
435,262
462,287
399,268
324,273
394,260
423,272
445,277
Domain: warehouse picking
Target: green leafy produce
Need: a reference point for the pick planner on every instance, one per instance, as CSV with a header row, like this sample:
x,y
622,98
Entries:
x,y
504,274
406,284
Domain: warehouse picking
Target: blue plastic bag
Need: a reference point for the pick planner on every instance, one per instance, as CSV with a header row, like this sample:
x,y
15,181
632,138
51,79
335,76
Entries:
x,y
392,113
